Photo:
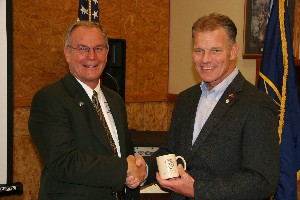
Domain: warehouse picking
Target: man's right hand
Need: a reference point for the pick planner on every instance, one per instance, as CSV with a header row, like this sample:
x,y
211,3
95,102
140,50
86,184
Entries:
x,y
137,171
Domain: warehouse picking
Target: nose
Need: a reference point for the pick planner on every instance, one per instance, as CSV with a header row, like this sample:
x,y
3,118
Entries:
x,y
91,54
206,57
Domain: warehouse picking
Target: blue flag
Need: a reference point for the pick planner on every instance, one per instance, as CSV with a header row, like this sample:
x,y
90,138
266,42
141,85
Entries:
x,y
278,79
88,10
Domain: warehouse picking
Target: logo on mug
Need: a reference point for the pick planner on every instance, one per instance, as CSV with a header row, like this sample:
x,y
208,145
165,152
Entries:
x,y
167,165
170,163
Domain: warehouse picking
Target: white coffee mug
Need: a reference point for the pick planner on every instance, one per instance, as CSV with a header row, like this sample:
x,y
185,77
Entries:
x,y
167,165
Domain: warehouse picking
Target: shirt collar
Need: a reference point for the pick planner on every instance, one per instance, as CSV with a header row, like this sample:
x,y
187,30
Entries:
x,y
89,90
221,87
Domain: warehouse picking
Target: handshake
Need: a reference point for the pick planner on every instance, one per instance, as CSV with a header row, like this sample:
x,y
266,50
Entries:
x,y
137,171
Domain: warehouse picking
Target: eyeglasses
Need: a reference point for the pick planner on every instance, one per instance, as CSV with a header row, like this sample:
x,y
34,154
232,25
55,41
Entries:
x,y
84,49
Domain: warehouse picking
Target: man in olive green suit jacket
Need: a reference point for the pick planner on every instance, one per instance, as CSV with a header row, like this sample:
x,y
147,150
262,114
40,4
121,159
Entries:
x,y
79,161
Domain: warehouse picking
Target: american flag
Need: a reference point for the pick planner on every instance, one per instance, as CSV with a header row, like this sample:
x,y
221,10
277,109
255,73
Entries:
x,y
88,10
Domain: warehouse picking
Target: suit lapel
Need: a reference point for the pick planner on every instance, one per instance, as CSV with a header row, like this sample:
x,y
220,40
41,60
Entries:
x,y
223,106
84,103
193,102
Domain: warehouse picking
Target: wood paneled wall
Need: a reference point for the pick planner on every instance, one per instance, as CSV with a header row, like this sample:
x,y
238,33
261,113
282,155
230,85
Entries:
x,y
39,28
39,31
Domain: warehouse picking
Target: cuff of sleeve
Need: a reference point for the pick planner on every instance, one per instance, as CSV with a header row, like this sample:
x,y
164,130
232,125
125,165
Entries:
x,y
143,183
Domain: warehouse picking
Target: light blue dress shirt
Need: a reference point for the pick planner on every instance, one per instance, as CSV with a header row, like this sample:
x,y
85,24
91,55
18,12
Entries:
x,y
208,100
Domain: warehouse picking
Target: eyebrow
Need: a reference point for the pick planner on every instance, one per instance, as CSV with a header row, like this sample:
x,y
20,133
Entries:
x,y
99,45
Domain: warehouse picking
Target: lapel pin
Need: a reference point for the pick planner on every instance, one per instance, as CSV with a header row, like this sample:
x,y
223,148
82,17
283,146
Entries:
x,y
81,104
230,96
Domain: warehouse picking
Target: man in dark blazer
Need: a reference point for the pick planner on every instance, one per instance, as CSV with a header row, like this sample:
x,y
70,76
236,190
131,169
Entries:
x,y
225,128
79,161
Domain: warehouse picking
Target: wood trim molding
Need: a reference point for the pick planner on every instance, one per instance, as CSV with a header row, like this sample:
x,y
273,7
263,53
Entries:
x,y
145,98
172,97
22,101
26,101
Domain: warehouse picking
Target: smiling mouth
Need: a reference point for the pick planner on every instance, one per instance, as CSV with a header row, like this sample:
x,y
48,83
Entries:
x,y
90,66
207,68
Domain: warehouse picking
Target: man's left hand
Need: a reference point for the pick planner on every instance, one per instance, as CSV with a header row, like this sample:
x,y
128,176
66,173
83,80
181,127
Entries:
x,y
183,185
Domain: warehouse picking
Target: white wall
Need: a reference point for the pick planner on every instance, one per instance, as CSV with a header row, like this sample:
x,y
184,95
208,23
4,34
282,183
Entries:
x,y
3,94
182,16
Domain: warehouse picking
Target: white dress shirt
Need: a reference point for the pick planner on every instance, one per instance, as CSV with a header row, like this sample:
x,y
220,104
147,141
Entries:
x,y
106,112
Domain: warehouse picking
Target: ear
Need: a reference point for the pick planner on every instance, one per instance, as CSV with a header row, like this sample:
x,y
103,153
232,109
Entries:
x,y
234,51
67,53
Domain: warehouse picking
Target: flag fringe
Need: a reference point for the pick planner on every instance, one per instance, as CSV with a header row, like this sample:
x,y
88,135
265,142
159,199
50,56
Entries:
x,y
268,82
285,64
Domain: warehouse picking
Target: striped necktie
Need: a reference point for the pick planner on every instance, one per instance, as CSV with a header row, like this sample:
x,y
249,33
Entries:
x,y
97,106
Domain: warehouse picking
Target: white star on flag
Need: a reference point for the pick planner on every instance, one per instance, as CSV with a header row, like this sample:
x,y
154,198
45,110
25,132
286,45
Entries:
x,y
84,10
95,14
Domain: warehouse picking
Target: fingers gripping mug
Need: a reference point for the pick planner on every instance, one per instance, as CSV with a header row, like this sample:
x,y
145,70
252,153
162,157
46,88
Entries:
x,y
167,165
